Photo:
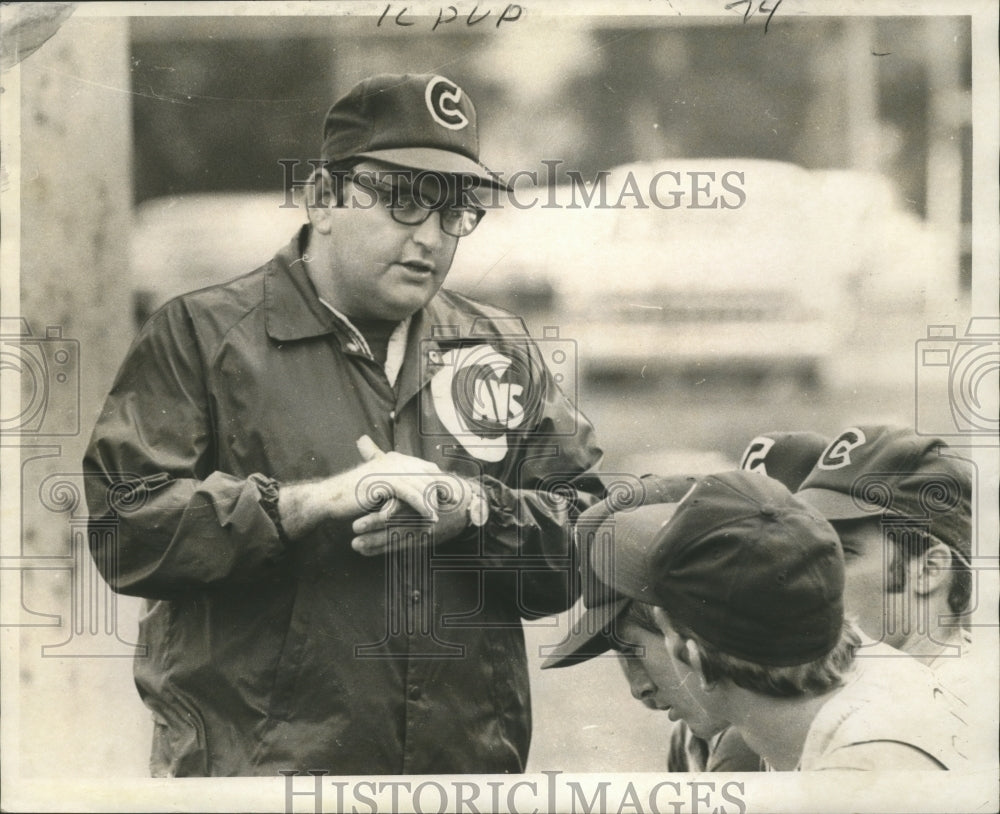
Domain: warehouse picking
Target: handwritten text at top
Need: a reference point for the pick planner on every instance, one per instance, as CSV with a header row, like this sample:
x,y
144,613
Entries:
x,y
450,14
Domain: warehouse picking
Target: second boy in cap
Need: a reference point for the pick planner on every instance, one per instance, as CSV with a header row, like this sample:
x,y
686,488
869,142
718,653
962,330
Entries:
x,y
901,505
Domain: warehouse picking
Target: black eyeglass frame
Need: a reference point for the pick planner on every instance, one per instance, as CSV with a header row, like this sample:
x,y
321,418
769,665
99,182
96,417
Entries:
x,y
419,211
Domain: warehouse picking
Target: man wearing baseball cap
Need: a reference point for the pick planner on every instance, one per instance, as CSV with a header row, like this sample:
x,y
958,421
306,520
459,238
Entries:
x,y
901,504
332,479
746,585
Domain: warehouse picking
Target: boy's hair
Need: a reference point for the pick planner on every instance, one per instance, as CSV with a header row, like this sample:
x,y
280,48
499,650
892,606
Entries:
x,y
812,678
910,542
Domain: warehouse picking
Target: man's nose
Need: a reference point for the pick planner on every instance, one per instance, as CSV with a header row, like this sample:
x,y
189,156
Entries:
x,y
428,234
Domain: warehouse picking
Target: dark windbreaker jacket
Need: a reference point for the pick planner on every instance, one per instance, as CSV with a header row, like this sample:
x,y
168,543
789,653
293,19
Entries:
x,y
266,655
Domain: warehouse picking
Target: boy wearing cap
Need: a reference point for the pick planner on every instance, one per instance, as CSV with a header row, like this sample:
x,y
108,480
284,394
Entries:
x,y
612,621
787,457
746,584
627,627
336,532
901,505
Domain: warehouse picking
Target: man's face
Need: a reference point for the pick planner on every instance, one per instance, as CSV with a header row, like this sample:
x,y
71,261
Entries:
x,y
663,682
382,269
867,557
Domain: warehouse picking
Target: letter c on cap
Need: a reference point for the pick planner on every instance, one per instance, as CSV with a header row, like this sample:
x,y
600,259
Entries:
x,y
442,97
755,456
838,454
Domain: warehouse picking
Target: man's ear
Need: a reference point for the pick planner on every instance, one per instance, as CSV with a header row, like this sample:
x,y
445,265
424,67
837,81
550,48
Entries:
x,y
693,658
933,572
319,196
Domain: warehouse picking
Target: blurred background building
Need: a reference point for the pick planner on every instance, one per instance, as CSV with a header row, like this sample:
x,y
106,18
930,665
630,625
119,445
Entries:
x,y
148,164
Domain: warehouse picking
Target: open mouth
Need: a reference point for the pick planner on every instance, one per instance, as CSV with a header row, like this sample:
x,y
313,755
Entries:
x,y
418,266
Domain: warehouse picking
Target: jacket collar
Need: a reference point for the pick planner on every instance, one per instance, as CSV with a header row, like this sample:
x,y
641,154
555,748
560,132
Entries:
x,y
293,311
292,307
434,329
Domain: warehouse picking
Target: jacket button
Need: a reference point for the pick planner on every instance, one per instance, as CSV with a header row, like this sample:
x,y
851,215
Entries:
x,y
415,596
414,693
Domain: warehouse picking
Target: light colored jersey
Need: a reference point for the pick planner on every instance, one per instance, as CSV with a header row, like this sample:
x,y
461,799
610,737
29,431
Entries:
x,y
954,670
890,705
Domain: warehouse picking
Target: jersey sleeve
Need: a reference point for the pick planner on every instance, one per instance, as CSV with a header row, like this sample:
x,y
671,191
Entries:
x,y
163,521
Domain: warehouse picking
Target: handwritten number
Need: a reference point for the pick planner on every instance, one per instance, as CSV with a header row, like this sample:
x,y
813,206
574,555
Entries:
x,y
749,11
769,12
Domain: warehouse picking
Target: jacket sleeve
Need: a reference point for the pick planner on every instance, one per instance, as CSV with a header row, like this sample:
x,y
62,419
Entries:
x,y
533,509
163,521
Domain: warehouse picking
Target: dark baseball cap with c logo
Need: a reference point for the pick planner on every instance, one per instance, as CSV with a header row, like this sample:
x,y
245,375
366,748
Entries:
x,y
884,471
417,121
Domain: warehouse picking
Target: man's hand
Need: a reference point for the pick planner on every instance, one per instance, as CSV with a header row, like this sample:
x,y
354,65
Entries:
x,y
384,484
454,496
394,477
448,495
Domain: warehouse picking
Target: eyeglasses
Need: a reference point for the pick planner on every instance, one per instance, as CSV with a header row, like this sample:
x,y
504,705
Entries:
x,y
412,210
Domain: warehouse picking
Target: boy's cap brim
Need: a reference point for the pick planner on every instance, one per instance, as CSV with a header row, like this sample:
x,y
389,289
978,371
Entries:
x,y
588,636
836,505
875,470
592,631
